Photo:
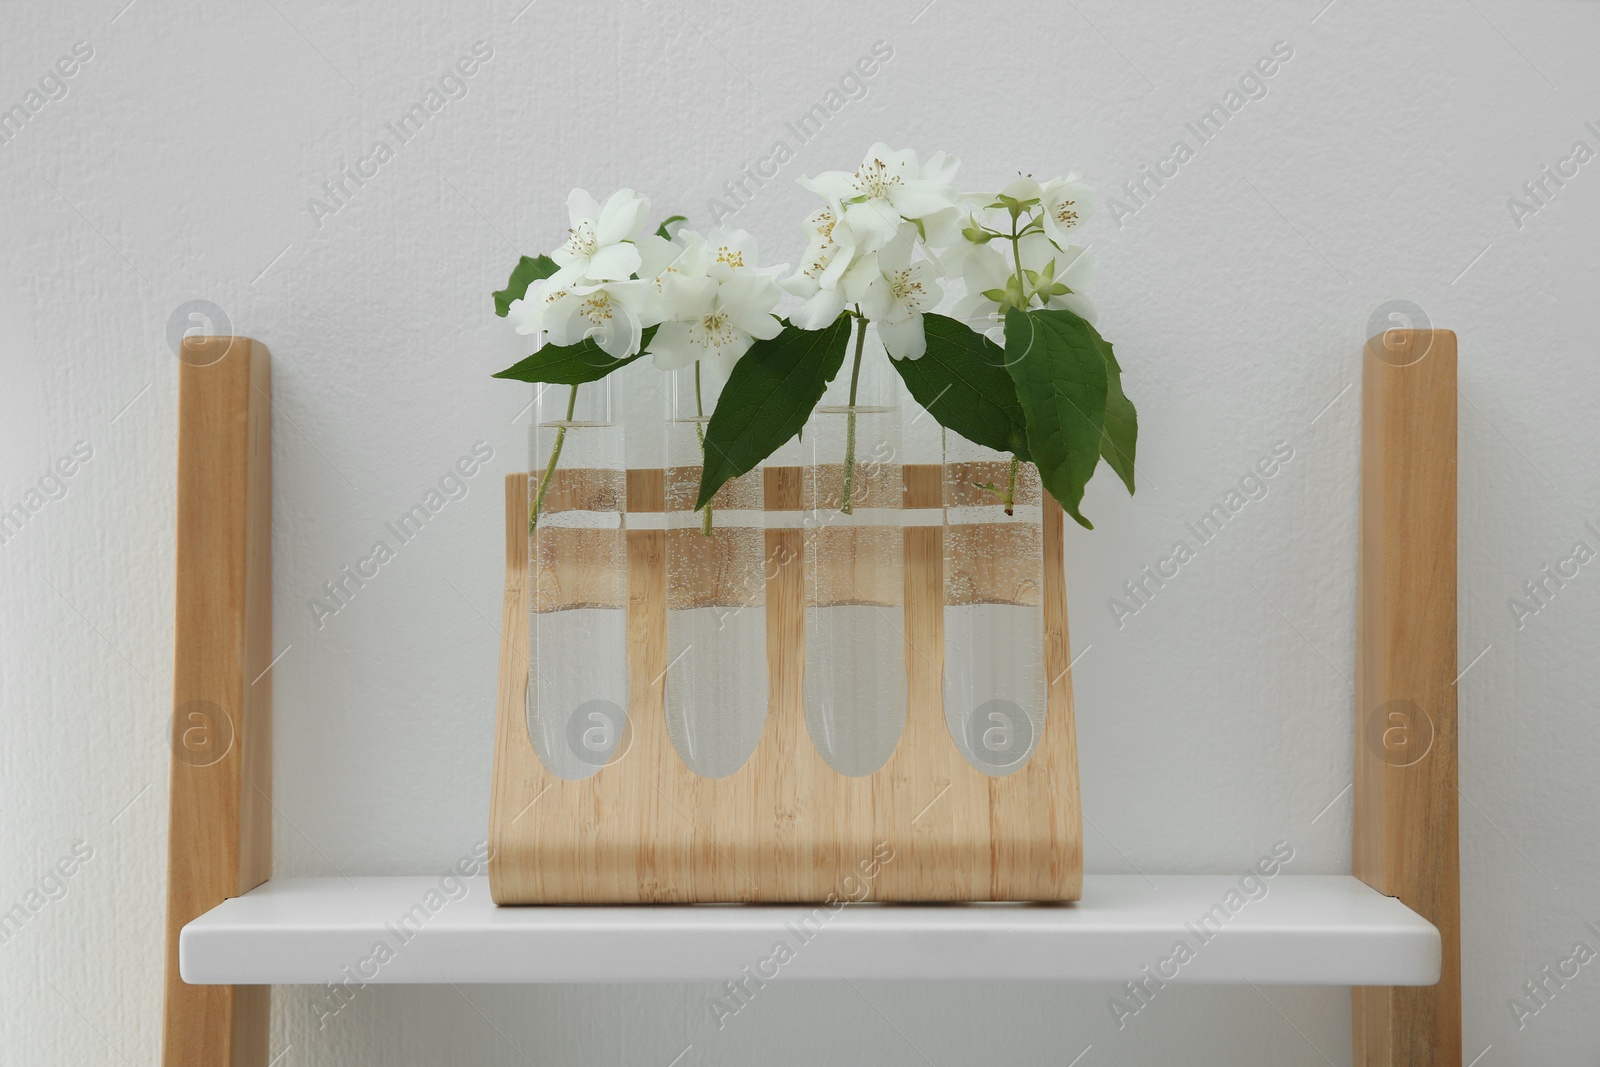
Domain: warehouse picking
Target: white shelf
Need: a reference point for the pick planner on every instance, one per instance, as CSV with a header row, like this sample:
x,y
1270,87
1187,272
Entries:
x,y
1308,930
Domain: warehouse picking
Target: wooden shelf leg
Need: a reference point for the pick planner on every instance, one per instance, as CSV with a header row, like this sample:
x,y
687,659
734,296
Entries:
x,y
219,816
1405,826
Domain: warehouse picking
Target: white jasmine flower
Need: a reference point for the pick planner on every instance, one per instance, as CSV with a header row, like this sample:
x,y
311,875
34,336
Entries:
x,y
894,297
613,313
820,309
528,313
716,301
1075,268
716,321
942,233
830,252
888,186
1022,187
721,255
946,242
658,257
942,228
984,270
989,268
1062,203
941,168
729,252
599,242
826,239
1067,202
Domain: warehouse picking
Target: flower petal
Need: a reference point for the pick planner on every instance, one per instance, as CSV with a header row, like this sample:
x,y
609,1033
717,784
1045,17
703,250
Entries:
x,y
763,327
839,262
656,254
917,198
736,249
580,206
1076,303
977,311
985,268
620,336
614,263
566,257
800,284
671,347
874,222
941,167
830,184
640,297
863,276
621,218
905,339
896,254
748,303
821,310
944,226
562,323
756,292
930,292
901,163
723,357
1076,267
686,298
1022,187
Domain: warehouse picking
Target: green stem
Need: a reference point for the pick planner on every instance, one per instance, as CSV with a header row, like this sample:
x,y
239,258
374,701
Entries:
x,y
700,432
1011,486
550,468
847,490
1016,256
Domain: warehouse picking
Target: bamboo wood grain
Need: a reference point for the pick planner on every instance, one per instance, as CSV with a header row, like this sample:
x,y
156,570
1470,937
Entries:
x,y
1405,826
786,826
219,830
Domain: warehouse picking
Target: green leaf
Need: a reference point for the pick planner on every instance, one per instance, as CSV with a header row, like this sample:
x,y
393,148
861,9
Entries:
x,y
963,383
526,272
1057,362
1121,435
769,396
572,364
664,231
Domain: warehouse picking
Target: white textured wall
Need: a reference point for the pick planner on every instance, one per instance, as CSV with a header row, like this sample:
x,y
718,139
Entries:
x,y
1215,722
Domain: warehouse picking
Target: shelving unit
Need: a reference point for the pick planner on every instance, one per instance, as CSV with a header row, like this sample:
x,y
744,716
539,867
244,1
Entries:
x,y
1391,931
1306,929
